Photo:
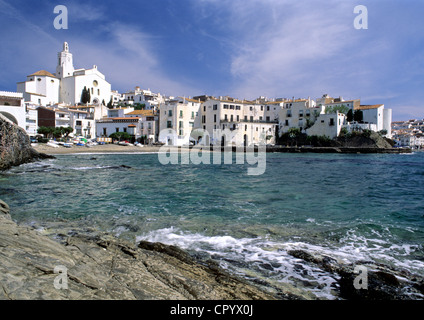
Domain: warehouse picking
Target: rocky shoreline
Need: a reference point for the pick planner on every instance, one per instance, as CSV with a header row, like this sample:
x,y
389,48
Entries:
x,y
15,147
98,266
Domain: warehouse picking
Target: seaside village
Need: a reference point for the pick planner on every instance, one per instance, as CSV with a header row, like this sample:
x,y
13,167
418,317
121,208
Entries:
x,y
83,100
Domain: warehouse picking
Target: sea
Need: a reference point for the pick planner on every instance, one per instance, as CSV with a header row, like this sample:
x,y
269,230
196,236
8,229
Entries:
x,y
351,207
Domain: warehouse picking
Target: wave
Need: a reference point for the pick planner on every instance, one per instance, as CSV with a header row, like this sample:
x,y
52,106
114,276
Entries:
x,y
269,260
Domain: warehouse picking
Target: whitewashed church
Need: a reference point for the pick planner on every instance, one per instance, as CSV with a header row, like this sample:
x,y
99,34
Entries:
x,y
66,85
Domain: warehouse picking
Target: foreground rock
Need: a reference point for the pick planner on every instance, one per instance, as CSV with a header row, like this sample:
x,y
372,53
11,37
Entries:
x,y
15,146
99,266
381,281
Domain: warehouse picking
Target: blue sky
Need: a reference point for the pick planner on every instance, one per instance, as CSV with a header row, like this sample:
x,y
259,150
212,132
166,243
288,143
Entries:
x,y
240,48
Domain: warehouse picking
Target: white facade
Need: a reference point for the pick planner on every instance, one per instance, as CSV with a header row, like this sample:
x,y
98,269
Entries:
x,y
377,115
328,125
66,86
12,107
31,119
248,123
83,123
107,126
41,88
300,114
149,123
178,119
148,98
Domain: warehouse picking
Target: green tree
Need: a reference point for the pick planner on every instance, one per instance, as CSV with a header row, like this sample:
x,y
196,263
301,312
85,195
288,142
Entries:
x,y
120,136
45,131
349,115
341,109
110,104
85,96
358,116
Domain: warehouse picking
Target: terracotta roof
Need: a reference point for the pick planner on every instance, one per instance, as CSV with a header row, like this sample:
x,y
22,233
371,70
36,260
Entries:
x,y
368,107
132,126
43,73
144,113
126,118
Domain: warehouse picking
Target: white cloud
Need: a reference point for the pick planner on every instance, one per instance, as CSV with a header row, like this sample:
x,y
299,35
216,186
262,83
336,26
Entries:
x,y
128,57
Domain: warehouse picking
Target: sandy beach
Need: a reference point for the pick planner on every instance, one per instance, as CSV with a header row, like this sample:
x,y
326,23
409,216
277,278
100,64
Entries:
x,y
107,148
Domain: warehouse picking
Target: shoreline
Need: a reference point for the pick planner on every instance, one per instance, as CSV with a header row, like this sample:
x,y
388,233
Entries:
x,y
96,265
114,148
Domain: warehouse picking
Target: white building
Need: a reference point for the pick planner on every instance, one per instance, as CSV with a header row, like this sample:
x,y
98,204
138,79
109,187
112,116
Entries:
x,y
41,88
147,97
31,119
378,115
66,85
177,120
148,125
298,113
248,122
12,107
106,126
329,125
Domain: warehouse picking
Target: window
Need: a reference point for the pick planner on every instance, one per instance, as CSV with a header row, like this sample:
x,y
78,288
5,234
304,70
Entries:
x,y
331,121
215,107
250,108
116,129
287,122
245,118
169,124
267,119
245,127
231,107
225,106
226,117
204,108
104,131
214,118
78,122
262,108
170,113
192,114
251,118
267,108
238,118
181,124
232,118
237,107
125,129
98,92
181,113
260,118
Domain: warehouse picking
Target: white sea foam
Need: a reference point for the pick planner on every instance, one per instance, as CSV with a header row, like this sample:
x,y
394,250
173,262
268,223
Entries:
x,y
270,258
263,255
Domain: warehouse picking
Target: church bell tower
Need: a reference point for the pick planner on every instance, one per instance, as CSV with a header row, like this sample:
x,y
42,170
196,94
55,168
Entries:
x,y
65,66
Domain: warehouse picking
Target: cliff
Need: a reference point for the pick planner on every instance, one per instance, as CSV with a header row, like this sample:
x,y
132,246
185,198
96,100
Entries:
x,y
15,146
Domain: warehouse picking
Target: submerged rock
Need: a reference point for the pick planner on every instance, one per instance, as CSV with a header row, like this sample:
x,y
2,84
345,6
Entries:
x,y
381,281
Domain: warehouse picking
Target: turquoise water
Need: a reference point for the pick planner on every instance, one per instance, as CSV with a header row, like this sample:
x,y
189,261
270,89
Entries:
x,y
351,207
